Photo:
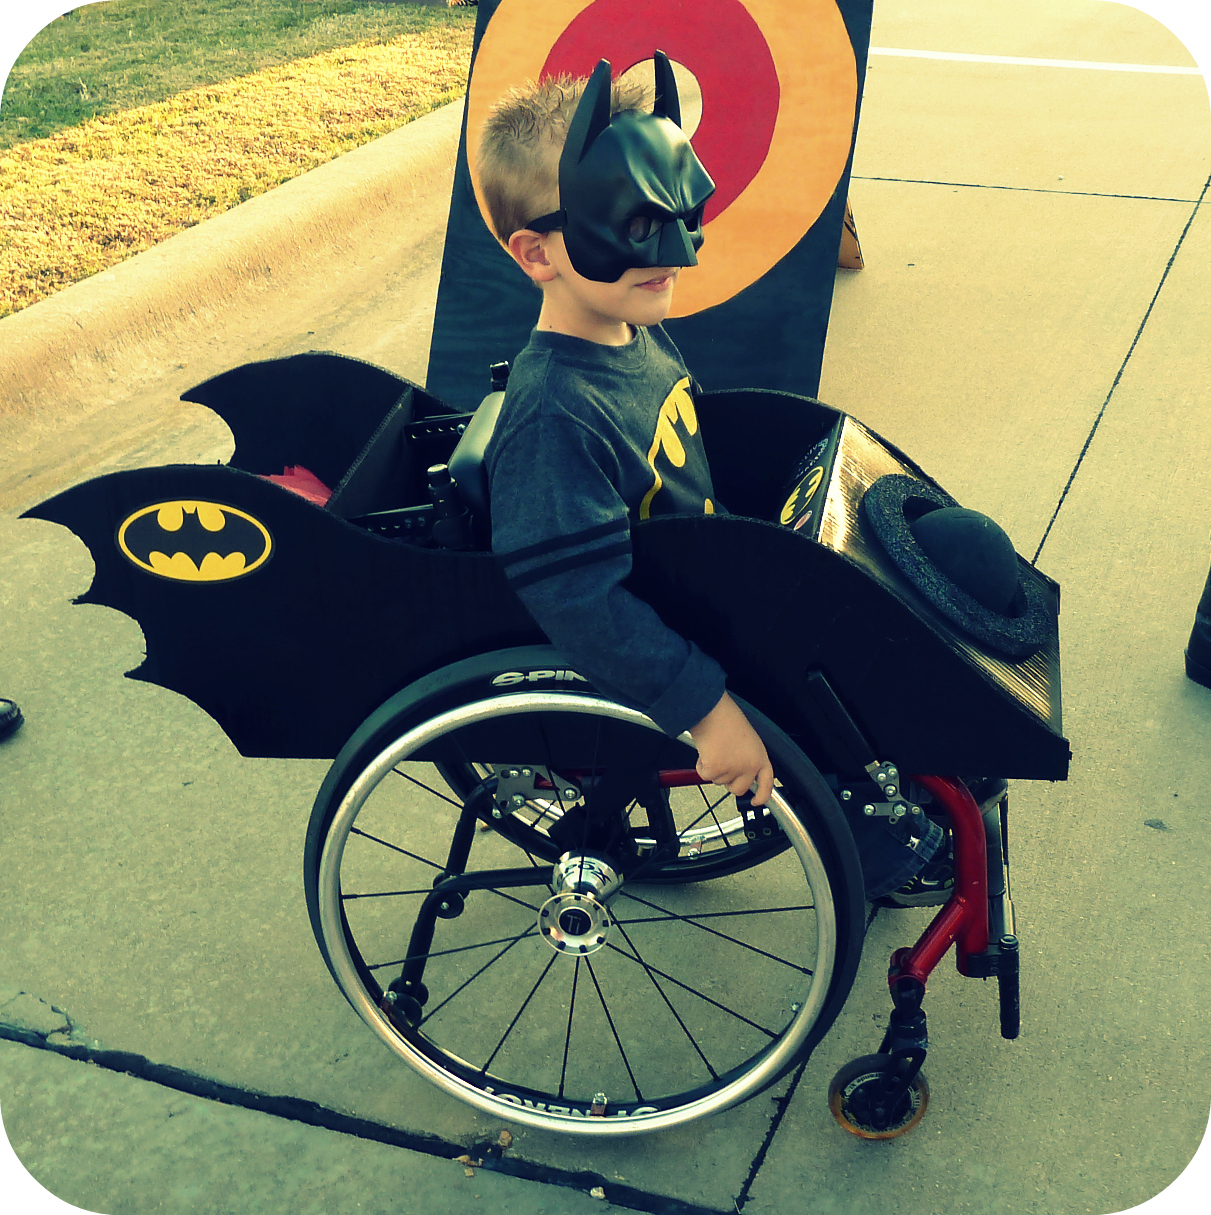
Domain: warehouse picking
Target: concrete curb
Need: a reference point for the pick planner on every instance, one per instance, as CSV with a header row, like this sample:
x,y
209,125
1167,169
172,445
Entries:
x,y
55,354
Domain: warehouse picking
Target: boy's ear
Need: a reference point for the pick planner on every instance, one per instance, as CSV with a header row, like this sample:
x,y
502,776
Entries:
x,y
529,250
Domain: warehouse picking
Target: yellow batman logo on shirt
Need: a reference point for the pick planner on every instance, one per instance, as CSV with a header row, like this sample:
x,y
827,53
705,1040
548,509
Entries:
x,y
678,407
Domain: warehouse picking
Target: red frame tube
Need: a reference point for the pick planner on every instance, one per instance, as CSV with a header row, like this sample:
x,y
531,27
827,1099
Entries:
x,y
963,920
668,778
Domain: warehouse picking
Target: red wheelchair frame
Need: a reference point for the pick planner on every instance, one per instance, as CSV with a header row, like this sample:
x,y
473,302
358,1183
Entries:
x,y
882,1095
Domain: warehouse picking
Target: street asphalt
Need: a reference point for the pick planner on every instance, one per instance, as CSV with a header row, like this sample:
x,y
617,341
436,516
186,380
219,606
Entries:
x,y
1032,327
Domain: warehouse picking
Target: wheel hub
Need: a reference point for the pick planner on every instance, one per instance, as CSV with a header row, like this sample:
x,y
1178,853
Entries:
x,y
575,919
574,923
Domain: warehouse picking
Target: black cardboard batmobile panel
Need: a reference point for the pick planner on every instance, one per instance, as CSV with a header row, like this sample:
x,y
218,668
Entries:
x,y
300,623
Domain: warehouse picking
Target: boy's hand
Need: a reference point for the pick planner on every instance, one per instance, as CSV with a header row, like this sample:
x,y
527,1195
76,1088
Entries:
x,y
731,754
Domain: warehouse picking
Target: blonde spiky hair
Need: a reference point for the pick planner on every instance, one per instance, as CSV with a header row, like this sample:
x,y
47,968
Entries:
x,y
521,141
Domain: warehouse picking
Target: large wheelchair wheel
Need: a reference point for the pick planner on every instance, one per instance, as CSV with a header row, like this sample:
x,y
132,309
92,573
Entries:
x,y
582,973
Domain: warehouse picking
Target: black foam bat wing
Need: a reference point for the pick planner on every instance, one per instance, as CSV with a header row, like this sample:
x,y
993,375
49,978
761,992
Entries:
x,y
289,625
315,409
291,652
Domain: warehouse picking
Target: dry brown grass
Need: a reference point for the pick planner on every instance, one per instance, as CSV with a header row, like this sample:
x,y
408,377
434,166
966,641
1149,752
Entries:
x,y
80,200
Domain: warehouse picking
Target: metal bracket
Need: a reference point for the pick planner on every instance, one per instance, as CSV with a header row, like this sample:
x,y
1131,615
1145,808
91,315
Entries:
x,y
886,799
516,785
759,823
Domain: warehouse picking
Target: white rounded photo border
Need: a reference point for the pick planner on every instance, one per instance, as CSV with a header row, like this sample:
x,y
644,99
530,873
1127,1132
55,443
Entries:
x,y
1188,20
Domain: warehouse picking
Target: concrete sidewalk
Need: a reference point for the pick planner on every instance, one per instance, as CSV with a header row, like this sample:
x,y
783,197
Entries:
x,y
1032,327
180,1152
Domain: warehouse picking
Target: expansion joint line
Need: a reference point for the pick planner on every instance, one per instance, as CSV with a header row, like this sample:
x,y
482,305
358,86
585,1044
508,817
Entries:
x,y
1122,367
780,1107
311,1113
986,185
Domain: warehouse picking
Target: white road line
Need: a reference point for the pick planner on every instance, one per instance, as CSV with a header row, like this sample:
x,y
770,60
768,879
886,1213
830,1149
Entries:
x,y
1055,63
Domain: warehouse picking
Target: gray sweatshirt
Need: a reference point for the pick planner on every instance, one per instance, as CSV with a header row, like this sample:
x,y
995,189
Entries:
x,y
592,439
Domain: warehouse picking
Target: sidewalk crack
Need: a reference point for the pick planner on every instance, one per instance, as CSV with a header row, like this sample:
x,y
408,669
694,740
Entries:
x,y
781,1105
1122,367
981,185
311,1113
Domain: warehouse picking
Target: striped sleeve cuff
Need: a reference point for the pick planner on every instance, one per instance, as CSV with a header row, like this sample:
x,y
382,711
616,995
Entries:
x,y
534,562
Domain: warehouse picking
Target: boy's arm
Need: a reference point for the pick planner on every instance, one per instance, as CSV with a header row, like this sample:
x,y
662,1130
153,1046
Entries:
x,y
562,533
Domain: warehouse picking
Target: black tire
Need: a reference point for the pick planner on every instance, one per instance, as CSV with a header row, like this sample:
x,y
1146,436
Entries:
x,y
716,976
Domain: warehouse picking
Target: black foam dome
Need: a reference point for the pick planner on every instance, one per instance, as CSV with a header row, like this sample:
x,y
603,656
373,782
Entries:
x,y
973,552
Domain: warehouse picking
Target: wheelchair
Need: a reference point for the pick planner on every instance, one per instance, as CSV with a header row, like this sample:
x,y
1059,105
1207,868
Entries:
x,y
518,882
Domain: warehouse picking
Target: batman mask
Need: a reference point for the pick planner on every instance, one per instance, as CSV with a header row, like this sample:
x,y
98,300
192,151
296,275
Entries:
x,y
631,189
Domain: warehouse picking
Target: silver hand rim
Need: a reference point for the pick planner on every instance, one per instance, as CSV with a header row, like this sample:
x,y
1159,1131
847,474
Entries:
x,y
774,1060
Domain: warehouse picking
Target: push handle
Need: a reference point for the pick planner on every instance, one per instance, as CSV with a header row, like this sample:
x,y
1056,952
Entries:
x,y
451,522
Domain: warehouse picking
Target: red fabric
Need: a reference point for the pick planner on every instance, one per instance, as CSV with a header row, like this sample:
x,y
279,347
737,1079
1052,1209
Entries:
x,y
304,482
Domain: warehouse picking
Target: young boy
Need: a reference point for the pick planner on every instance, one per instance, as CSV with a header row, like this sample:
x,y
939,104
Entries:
x,y
600,204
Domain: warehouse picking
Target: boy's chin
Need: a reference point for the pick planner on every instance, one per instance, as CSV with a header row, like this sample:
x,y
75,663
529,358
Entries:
x,y
653,316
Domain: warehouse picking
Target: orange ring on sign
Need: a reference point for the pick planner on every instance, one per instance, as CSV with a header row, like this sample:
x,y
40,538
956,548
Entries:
x,y
818,85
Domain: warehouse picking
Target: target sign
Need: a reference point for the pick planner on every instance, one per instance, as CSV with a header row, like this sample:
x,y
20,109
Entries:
x,y
779,93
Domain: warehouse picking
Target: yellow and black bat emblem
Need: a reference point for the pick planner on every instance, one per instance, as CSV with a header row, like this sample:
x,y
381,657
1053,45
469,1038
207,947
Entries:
x,y
795,512
668,445
195,541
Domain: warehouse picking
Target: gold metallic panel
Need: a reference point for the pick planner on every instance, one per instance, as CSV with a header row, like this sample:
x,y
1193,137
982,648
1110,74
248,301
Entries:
x,y
861,461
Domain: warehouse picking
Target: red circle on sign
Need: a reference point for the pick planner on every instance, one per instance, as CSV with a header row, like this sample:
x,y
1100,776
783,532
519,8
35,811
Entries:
x,y
710,37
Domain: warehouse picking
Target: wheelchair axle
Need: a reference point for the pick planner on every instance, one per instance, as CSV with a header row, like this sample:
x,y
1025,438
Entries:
x,y
575,918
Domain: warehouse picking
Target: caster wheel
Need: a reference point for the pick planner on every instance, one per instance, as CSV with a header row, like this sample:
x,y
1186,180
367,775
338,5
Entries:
x,y
855,1098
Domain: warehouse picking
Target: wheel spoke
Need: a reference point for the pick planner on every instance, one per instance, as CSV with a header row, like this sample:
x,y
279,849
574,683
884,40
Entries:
x,y
694,916
653,970
467,983
711,807
394,847
383,894
651,974
567,1039
512,898
548,808
442,953
672,916
428,789
613,1030
546,970
719,827
588,809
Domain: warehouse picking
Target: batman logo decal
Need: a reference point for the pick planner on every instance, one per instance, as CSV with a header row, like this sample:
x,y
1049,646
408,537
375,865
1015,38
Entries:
x,y
195,541
802,495
678,407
